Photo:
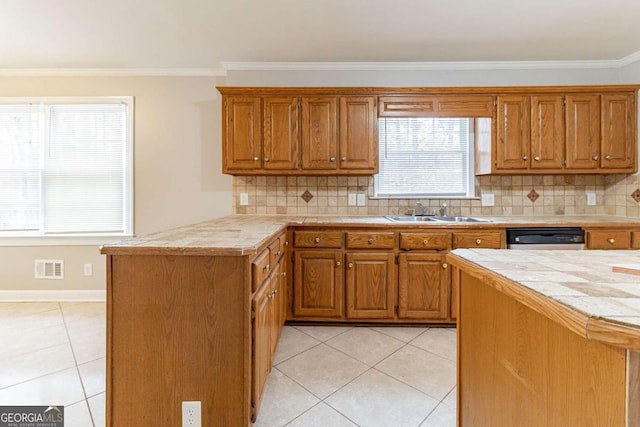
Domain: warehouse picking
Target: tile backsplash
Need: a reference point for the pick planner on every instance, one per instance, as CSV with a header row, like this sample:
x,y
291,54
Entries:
x,y
556,195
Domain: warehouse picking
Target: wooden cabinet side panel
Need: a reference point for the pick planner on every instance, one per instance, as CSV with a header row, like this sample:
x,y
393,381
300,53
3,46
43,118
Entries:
x,y
261,343
582,141
547,132
280,130
358,133
320,132
179,330
422,287
513,129
370,285
517,367
242,147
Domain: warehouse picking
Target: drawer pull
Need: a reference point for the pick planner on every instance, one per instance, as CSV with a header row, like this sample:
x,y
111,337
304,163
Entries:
x,y
595,157
524,157
370,241
425,242
611,241
338,263
607,157
255,159
350,265
286,243
278,253
332,159
275,292
317,240
445,265
344,158
478,241
283,274
536,158
267,267
266,159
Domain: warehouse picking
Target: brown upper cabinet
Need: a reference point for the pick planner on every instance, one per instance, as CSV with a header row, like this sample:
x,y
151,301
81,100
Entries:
x,y
589,132
300,135
334,130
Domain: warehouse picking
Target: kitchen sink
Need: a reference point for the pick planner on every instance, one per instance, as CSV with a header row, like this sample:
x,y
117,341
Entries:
x,y
419,218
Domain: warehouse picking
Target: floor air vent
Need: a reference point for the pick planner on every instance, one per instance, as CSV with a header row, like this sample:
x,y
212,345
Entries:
x,y
49,269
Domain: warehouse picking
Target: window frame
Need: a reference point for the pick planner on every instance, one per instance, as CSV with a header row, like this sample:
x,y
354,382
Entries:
x,y
471,192
39,238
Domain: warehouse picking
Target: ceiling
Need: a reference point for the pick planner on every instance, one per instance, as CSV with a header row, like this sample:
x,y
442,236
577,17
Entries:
x,y
209,34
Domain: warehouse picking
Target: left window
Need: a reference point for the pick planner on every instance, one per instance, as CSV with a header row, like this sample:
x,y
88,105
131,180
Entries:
x,y
66,166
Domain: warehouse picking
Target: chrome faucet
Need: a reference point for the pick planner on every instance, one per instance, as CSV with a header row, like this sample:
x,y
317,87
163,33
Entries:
x,y
423,210
443,211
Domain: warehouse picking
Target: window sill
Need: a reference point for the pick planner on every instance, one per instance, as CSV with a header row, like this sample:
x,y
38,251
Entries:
x,y
60,240
423,198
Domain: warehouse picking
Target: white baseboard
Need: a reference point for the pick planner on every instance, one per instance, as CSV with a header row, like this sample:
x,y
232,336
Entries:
x,y
52,296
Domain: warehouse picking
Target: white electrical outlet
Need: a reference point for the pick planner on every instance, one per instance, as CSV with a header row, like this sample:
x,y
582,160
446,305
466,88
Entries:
x,y
88,269
362,199
244,199
488,199
591,199
352,199
192,414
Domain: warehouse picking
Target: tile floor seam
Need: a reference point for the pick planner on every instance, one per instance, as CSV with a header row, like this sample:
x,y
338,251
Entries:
x,y
406,342
432,353
298,383
340,333
297,354
409,385
37,378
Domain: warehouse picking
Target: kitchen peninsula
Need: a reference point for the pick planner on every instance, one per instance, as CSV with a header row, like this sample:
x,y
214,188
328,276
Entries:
x,y
194,313
547,338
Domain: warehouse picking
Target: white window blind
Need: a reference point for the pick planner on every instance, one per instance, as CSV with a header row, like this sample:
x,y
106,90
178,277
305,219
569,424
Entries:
x,y
68,171
425,157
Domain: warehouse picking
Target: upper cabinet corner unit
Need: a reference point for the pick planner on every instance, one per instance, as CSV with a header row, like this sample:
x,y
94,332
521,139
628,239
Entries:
x,y
562,130
298,133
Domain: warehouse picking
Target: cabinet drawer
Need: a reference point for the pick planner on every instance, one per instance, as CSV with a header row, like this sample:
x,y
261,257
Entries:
x,y
479,239
318,239
373,240
260,268
431,241
276,249
609,239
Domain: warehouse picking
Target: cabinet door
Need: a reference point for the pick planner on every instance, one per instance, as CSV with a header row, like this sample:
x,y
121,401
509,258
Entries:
x,y
281,137
261,343
582,141
242,148
370,285
274,315
618,131
422,286
358,134
319,132
513,132
318,284
547,132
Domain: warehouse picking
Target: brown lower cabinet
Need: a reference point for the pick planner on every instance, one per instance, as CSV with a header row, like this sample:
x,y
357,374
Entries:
x,y
371,285
318,284
422,286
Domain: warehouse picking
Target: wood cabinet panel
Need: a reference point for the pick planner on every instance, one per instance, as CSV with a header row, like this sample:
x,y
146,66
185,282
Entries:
x,y
422,286
635,239
318,284
425,240
513,130
608,239
547,132
320,132
261,343
371,279
280,132
317,239
260,268
358,133
242,146
619,128
371,240
436,106
479,239
582,141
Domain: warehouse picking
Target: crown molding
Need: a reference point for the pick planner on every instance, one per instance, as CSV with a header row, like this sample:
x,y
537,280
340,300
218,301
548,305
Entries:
x,y
112,72
630,59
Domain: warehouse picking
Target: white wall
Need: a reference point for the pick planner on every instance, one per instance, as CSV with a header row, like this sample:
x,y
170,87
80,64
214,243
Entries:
x,y
178,166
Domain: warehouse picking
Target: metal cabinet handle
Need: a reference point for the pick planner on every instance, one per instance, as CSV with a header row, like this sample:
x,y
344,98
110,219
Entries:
x,y
283,274
425,242
536,158
607,157
344,159
255,159
478,241
266,159
286,243
525,158
611,241
317,240
267,267
350,265
275,292
370,241
445,265
332,159
338,263
278,253
595,157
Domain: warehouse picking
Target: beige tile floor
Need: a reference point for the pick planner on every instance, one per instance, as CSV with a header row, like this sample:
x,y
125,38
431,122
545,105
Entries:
x,y
54,353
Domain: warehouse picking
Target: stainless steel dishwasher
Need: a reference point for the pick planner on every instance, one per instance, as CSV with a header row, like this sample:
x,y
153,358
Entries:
x,y
567,238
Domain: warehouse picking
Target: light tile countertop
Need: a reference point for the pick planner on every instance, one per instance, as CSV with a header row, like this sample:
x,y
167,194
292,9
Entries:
x,y
582,281
245,234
